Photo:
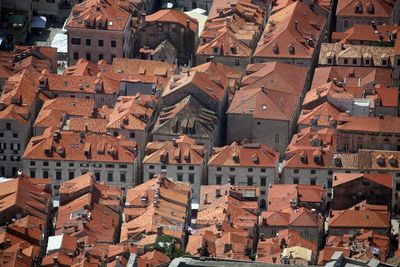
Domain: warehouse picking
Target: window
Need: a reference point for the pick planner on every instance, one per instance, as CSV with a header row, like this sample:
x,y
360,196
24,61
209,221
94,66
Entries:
x,y
354,61
110,177
397,186
58,175
76,41
45,174
262,169
122,177
71,175
88,56
219,169
101,43
15,158
329,195
330,172
232,180
8,126
384,62
346,61
151,175
58,164
295,180
398,62
250,169
115,134
237,62
110,166
76,55
249,180
1,134
312,181
179,167
218,179
191,178
132,135
33,174
163,167
329,183
97,175
296,171
312,171
180,177
88,42
216,50
263,181
123,166
367,62
345,23
262,192
101,56
191,168
113,43
46,163
32,163
232,169
15,135
329,60
276,138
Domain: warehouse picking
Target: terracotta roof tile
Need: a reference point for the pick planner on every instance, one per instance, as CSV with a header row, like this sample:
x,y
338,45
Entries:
x,y
183,150
384,179
381,9
283,39
71,146
99,15
245,155
173,16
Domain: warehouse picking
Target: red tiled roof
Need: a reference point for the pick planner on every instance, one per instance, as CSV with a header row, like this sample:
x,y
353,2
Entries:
x,y
71,146
280,195
283,39
173,16
365,218
247,155
380,8
301,217
100,14
363,32
384,179
386,124
183,150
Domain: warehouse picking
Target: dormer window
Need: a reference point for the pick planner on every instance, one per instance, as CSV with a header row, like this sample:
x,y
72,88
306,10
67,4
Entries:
x,y
384,60
358,7
370,8
329,60
216,50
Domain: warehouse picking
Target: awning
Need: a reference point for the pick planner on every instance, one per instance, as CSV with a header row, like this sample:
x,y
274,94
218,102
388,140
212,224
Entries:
x,y
60,42
38,22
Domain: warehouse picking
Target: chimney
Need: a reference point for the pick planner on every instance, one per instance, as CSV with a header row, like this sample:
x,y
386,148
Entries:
x,y
296,24
55,259
188,23
206,198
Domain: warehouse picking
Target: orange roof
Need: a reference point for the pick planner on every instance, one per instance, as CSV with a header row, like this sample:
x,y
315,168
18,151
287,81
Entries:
x,y
241,212
262,103
183,150
84,67
386,124
275,76
301,217
143,67
272,247
363,32
195,82
281,195
365,218
173,16
342,74
132,112
243,8
80,147
245,155
53,110
19,95
109,15
79,84
166,204
218,70
324,115
384,179
153,257
369,9
310,138
20,195
293,32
